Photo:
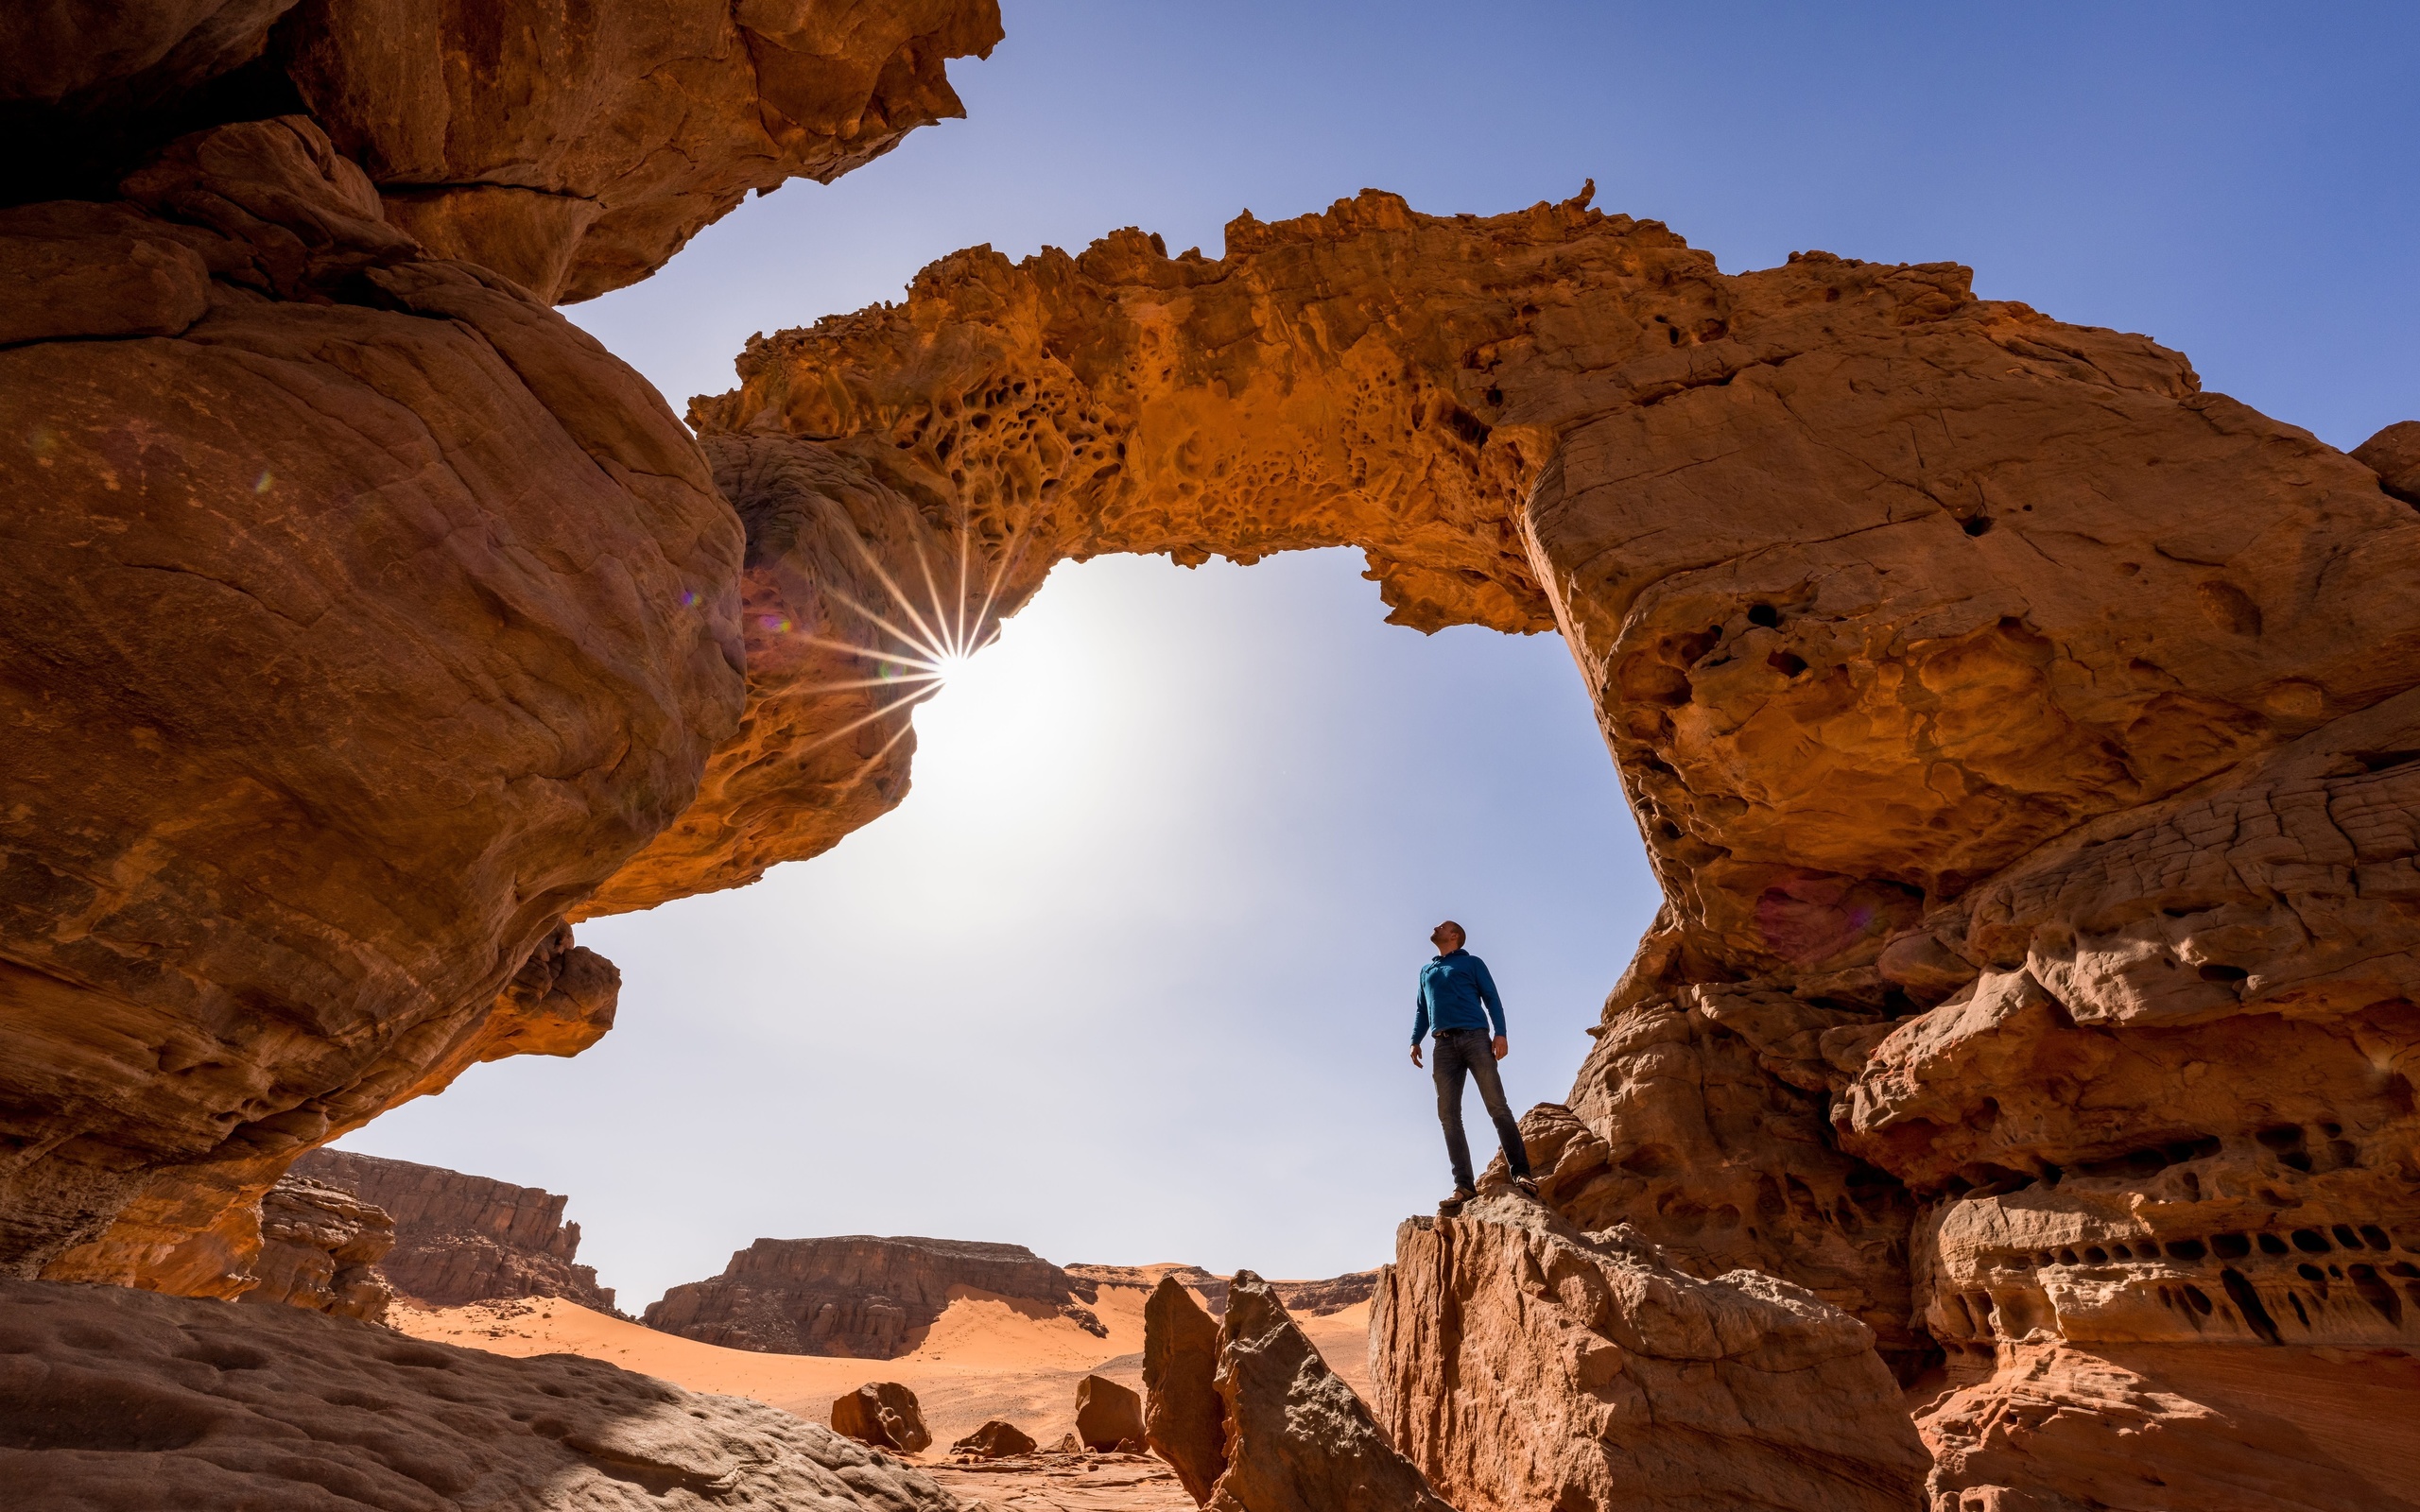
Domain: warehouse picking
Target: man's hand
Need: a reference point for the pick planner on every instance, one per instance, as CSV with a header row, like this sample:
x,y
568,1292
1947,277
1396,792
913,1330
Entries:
x,y
1415,1052
1503,1047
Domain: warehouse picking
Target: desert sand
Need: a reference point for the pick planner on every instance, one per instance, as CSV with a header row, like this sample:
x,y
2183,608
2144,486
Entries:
x,y
989,1356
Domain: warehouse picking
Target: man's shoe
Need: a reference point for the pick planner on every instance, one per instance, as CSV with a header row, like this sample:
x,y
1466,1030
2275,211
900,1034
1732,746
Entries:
x,y
1452,1206
1526,1185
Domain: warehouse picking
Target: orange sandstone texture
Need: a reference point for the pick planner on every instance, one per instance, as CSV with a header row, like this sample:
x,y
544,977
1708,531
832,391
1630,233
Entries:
x,y
2016,729
1524,1364
361,615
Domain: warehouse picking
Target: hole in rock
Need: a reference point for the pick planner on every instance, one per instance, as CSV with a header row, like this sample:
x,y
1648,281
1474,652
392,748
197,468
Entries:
x,y
2281,1136
2247,1300
2230,1246
2097,1255
2311,1242
2217,972
1977,526
2375,1237
1765,615
2198,1300
2185,1250
2345,1237
1788,664
2272,1245
2371,1289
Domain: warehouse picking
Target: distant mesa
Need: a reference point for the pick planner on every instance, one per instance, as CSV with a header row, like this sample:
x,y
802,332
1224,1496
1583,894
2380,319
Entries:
x,y
461,1239
870,1297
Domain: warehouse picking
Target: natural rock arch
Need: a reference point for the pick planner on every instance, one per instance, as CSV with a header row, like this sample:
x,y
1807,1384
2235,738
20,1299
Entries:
x,y
2024,737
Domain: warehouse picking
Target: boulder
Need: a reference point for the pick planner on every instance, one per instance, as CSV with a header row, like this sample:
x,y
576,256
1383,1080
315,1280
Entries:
x,y
883,1413
1521,1364
1297,1439
994,1440
1107,1414
114,1400
2393,454
460,1238
1183,1418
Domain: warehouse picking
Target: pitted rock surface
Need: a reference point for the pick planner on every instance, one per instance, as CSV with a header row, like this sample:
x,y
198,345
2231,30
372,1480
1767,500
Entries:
x,y
114,1400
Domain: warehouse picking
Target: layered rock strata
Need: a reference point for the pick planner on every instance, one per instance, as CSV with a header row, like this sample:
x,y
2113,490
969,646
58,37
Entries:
x,y
459,1238
857,1296
321,1246
436,602
114,1400
1521,1363
2015,727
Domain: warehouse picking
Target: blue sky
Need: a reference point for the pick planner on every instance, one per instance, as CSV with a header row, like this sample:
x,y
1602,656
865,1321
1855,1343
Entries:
x,y
1127,978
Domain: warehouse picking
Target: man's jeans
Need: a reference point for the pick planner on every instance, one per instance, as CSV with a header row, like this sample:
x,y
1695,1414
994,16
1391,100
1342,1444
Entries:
x,y
1472,1050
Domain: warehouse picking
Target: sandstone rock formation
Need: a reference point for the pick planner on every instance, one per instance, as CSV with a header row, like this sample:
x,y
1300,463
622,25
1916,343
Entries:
x,y
296,951
883,1413
1521,1364
572,149
465,1238
1297,1439
1107,1415
321,1246
114,1400
857,1296
1185,1422
2393,454
2015,728
996,1440
434,602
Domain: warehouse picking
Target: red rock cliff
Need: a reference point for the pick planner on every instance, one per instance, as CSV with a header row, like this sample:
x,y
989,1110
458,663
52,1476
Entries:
x,y
465,1238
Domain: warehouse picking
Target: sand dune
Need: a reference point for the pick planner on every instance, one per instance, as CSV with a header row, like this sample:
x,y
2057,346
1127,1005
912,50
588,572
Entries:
x,y
987,1356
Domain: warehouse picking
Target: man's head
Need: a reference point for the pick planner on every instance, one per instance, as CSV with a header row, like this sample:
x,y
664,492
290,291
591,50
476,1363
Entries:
x,y
1447,937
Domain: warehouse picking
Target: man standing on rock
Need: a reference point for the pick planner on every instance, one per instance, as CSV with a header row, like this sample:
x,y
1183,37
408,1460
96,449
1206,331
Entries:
x,y
1455,1001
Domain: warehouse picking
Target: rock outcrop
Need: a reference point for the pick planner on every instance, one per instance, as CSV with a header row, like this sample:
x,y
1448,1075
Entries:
x,y
858,1296
114,1400
339,474
1185,1423
1297,1439
437,600
1521,1364
321,1246
885,1414
461,1238
2016,728
1107,1414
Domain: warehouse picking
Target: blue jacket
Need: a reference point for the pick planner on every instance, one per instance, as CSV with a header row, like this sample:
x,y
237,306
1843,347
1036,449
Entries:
x,y
1452,989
